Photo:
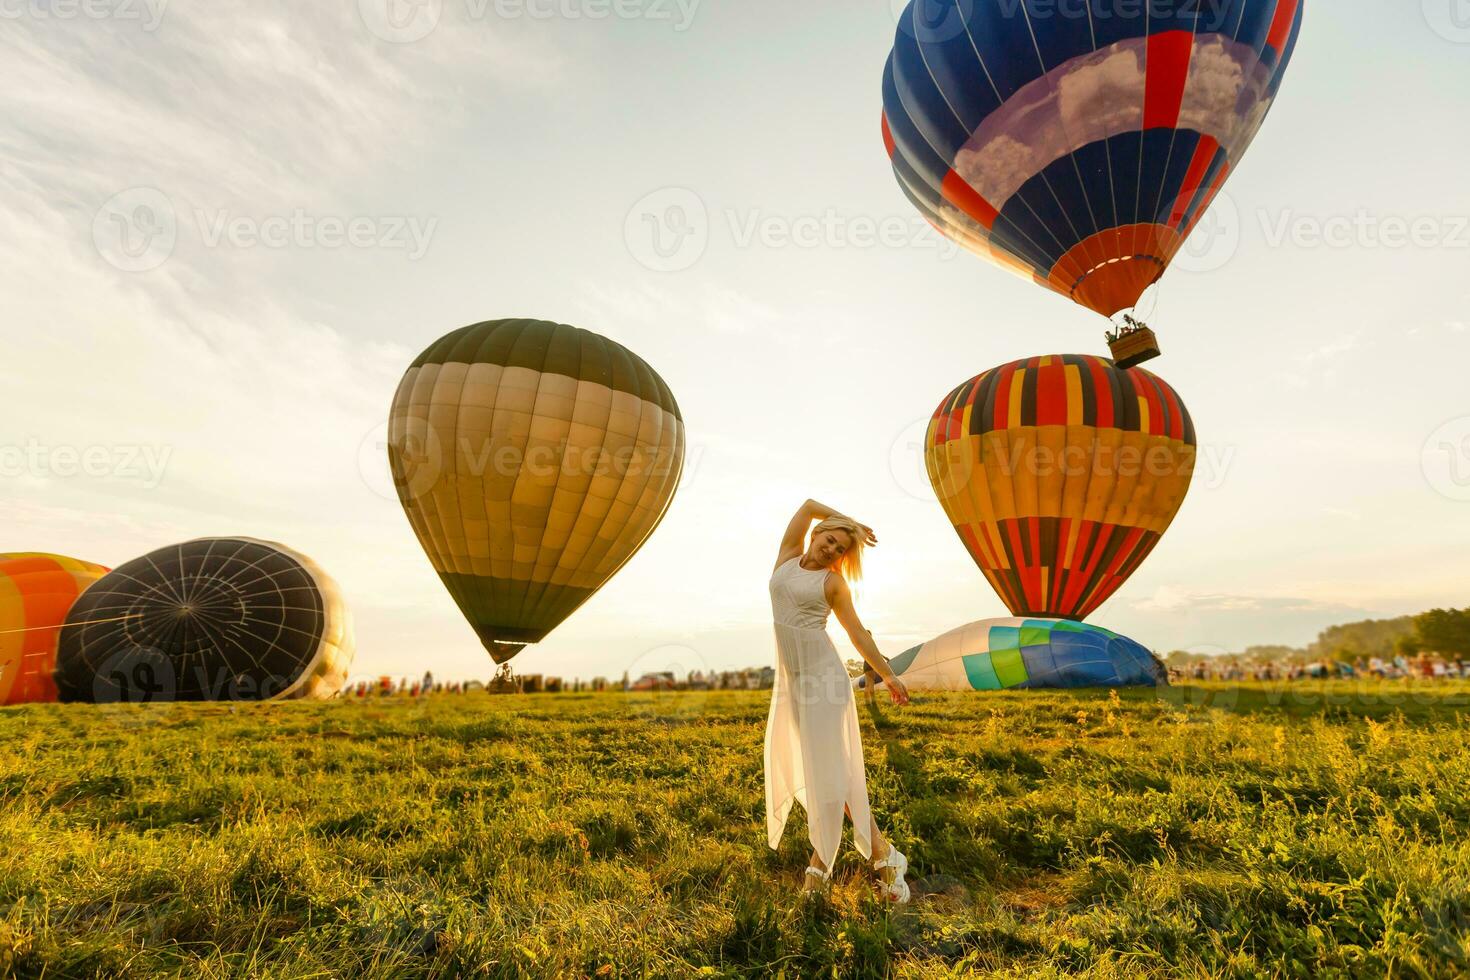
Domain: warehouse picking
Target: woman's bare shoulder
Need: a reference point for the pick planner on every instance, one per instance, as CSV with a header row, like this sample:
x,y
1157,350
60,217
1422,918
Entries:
x,y
835,586
786,555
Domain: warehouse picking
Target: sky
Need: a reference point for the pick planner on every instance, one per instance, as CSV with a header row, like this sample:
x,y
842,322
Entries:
x,y
229,227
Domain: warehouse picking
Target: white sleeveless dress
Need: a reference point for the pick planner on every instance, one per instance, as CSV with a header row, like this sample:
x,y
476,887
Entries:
x,y
814,749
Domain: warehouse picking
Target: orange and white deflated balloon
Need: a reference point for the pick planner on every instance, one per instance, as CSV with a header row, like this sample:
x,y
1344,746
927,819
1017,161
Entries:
x,y
36,593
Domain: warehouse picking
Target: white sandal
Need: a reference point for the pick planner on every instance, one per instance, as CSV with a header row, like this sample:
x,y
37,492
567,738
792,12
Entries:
x,y
898,892
823,878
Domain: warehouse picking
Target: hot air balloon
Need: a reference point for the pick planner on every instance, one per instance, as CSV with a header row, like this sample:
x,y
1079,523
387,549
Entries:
x,y
533,460
36,592
1060,474
997,654
217,619
1078,147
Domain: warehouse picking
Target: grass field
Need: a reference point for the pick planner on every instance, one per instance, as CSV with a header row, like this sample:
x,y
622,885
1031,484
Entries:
x,y
1317,830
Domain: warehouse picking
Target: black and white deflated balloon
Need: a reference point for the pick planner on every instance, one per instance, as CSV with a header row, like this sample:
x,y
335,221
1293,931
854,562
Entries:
x,y
217,619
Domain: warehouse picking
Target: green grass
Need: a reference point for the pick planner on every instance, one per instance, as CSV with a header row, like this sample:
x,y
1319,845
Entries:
x,y
1315,831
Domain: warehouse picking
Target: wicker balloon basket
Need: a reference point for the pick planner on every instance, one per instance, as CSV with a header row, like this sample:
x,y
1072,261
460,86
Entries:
x,y
1134,347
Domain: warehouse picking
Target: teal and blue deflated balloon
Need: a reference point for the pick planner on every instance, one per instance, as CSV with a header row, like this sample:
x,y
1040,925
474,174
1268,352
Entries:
x,y
998,654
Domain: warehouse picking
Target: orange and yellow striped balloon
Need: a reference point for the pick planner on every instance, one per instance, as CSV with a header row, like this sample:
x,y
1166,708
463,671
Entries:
x,y
36,593
1060,474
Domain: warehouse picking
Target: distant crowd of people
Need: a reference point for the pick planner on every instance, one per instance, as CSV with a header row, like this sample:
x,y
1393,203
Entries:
x,y
750,679
385,687
1383,668
505,682
508,682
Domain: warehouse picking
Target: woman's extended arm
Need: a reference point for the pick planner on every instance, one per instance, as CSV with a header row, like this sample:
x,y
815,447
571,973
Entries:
x,y
840,596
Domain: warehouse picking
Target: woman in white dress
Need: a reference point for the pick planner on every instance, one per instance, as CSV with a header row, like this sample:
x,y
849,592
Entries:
x,y
814,749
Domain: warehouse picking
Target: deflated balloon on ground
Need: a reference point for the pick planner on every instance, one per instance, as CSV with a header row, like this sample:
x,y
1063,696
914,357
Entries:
x,y
997,654
36,592
217,619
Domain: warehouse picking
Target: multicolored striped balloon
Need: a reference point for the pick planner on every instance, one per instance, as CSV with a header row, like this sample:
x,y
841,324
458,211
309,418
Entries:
x,y
1078,143
36,593
1060,475
997,654
533,460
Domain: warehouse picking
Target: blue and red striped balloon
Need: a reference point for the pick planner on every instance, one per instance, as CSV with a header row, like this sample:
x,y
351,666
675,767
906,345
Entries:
x,y
1078,142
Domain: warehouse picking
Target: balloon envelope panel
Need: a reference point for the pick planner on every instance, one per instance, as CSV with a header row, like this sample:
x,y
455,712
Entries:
x,y
36,592
1079,145
533,460
217,619
1060,475
999,654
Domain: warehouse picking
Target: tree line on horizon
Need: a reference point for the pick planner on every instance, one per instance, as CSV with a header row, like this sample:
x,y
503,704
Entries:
x,y
1445,632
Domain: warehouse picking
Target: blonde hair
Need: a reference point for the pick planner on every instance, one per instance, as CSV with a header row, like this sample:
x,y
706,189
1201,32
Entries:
x,y
850,563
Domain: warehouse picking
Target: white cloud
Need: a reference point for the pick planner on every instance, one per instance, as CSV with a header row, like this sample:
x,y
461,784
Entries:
x,y
237,103
256,411
1171,598
1175,599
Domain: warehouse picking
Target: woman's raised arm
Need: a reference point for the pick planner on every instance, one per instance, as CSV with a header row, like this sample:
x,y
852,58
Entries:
x,y
794,539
